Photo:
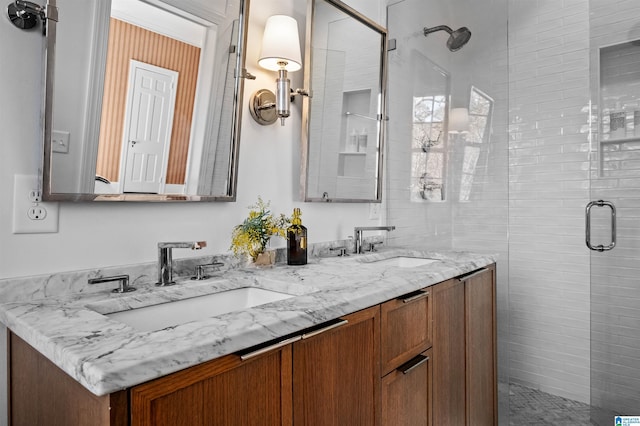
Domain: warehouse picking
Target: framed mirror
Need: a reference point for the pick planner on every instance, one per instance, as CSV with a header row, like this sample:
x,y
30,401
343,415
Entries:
x,y
143,100
344,120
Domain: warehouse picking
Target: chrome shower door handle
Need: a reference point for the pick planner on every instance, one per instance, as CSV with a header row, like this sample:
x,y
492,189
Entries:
x,y
600,247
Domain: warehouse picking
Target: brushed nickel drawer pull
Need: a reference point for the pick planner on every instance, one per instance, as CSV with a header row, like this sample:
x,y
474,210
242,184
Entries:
x,y
322,330
415,296
471,274
266,349
413,364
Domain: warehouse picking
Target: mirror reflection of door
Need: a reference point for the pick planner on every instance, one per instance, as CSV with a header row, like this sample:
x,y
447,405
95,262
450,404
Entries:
x,y
149,120
169,43
90,49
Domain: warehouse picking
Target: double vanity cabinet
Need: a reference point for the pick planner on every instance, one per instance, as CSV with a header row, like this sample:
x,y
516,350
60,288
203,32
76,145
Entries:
x,y
426,358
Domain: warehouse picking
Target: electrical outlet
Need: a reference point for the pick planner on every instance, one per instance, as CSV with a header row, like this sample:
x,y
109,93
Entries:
x,y
60,141
30,214
35,195
37,213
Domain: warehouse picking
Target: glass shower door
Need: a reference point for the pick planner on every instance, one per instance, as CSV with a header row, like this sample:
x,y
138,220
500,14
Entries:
x,y
450,185
615,307
615,166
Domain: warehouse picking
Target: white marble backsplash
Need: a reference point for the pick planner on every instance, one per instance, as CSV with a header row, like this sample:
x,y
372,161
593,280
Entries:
x,y
43,286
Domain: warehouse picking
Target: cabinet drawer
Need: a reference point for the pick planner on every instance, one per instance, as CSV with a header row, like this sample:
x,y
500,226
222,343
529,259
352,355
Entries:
x,y
405,329
406,393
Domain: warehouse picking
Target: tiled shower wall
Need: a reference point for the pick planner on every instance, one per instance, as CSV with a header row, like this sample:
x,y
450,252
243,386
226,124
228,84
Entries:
x,y
549,187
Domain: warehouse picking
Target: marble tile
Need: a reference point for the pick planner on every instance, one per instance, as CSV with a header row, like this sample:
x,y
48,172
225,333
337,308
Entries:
x,y
63,319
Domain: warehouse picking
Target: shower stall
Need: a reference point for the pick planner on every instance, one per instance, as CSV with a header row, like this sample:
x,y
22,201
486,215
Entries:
x,y
500,144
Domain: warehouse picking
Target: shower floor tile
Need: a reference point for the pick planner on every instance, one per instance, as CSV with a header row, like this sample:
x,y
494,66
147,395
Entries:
x,y
531,407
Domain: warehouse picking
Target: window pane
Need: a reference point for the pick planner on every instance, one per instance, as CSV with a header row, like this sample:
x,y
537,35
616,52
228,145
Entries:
x,y
479,104
477,128
426,136
427,176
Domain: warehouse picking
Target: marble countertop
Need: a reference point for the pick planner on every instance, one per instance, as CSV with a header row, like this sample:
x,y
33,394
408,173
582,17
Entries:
x,y
106,355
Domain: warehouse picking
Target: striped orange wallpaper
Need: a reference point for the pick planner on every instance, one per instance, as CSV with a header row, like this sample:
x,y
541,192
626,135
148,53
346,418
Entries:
x,y
126,42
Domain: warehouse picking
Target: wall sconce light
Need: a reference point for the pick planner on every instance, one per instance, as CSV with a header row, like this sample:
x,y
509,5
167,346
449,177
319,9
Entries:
x,y
24,14
281,53
459,120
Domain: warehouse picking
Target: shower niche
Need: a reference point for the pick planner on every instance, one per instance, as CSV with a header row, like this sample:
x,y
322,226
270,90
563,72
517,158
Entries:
x,y
619,100
356,126
343,126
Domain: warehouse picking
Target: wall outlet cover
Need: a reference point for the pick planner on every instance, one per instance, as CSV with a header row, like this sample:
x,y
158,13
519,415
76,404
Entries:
x,y
31,216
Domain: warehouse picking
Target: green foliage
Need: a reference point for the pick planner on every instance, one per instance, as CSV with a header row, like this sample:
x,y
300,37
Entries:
x,y
252,236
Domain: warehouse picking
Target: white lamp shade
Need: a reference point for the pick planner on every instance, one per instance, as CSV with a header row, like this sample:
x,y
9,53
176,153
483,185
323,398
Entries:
x,y
281,44
459,120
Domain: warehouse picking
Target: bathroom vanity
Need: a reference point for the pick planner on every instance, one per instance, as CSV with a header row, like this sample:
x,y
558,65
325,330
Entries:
x,y
380,339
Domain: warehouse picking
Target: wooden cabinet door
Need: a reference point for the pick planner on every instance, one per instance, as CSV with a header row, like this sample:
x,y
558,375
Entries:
x,y
406,393
481,348
226,391
448,353
40,393
336,374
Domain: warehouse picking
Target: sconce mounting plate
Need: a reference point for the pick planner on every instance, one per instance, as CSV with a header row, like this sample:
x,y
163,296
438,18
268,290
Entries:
x,y
262,107
21,18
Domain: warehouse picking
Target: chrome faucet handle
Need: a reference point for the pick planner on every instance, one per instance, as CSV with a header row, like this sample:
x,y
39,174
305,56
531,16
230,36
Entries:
x,y
373,244
122,279
200,275
342,250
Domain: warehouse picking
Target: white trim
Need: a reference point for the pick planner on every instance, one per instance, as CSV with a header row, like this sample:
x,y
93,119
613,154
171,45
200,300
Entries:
x,y
95,92
165,20
173,188
200,128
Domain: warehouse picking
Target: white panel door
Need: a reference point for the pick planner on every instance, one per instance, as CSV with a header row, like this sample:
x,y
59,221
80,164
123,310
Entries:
x,y
148,124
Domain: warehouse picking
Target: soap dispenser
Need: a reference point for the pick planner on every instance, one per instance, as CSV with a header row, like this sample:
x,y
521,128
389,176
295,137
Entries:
x,y
296,240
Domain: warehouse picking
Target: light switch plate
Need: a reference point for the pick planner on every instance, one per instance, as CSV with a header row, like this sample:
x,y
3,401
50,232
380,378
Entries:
x,y
60,141
29,216
374,211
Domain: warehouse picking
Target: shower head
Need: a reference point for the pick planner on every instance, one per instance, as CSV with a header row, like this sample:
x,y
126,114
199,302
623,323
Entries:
x,y
457,38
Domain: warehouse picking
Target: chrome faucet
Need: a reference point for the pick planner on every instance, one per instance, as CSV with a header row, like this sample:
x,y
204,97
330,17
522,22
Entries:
x,y
357,234
165,260
124,286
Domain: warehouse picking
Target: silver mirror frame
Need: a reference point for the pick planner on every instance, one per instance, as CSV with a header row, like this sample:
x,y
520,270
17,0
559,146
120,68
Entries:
x,y
307,104
47,119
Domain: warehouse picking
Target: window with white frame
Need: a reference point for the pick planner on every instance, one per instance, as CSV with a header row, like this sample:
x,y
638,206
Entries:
x,y
480,113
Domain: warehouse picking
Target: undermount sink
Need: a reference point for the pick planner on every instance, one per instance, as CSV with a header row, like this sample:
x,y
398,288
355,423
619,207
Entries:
x,y
157,317
405,261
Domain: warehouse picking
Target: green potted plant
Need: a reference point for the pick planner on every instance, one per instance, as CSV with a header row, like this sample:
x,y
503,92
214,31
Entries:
x,y
252,236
